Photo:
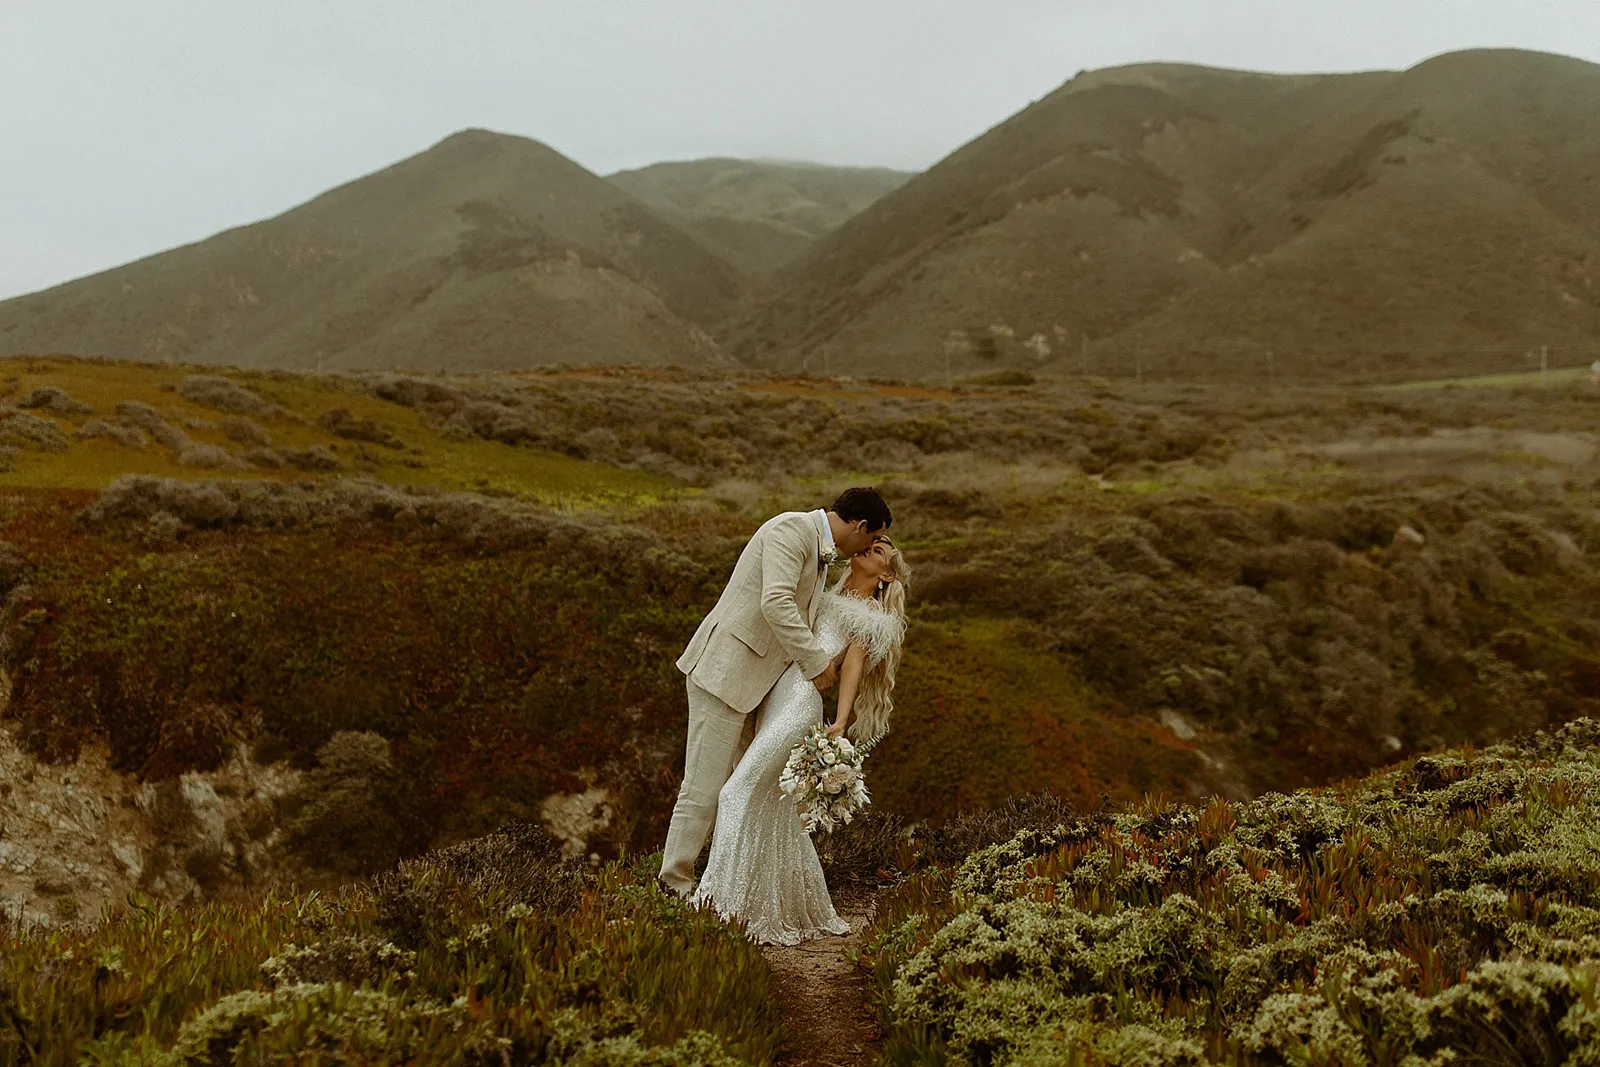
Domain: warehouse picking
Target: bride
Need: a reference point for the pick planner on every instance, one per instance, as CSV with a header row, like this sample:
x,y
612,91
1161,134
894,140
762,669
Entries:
x,y
763,868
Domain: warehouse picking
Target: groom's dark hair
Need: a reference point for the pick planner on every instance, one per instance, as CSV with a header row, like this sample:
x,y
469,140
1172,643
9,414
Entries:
x,y
863,502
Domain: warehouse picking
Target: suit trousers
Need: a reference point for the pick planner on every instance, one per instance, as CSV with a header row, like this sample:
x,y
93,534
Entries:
x,y
717,735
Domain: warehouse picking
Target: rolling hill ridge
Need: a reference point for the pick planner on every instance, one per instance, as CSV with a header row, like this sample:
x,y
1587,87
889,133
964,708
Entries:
x,y
1159,219
486,250
1199,223
760,213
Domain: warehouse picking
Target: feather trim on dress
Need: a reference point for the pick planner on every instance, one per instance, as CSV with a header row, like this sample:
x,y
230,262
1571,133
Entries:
x,y
867,624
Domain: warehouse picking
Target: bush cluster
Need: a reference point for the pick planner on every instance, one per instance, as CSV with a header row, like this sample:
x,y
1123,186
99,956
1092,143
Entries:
x,y
225,395
55,400
1333,632
128,436
884,847
496,647
1443,909
611,973
467,521
138,414
340,423
23,429
702,430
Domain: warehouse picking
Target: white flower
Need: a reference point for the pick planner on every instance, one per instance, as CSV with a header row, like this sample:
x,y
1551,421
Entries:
x,y
823,775
838,777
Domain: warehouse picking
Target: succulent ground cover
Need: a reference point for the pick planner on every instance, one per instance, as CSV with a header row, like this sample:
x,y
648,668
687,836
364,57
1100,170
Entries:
x,y
494,951
1444,911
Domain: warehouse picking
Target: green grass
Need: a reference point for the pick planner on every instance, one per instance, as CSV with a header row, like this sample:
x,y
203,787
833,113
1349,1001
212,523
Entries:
x,y
430,459
987,713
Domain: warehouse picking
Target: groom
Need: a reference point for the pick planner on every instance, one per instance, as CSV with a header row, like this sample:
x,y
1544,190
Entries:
x,y
763,622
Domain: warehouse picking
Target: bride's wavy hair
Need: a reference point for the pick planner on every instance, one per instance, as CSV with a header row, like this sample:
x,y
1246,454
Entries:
x,y
875,698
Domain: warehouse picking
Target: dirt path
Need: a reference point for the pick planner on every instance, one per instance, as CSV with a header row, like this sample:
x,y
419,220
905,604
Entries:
x,y
824,996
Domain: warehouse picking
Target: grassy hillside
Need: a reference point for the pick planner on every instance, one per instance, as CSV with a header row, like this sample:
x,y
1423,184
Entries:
x,y
268,425
485,251
1200,224
460,600
1116,592
762,213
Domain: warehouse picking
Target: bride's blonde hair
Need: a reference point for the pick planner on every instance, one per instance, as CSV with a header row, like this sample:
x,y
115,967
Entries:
x,y
875,698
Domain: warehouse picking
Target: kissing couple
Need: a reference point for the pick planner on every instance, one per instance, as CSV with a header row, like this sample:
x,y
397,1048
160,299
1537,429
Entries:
x,y
775,642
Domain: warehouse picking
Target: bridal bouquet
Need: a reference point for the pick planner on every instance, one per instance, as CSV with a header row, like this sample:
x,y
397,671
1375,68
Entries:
x,y
824,776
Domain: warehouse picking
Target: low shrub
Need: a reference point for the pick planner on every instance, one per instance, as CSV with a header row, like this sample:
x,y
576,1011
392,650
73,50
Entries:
x,y
243,430
55,400
882,847
208,457
1452,906
139,414
313,458
25,430
130,436
340,423
519,865
224,394
704,429
352,814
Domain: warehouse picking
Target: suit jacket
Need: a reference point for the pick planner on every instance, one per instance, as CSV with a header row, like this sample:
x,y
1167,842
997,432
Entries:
x,y
764,620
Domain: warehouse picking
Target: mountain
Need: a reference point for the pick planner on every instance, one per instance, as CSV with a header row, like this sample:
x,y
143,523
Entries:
x,y
484,252
760,213
1193,222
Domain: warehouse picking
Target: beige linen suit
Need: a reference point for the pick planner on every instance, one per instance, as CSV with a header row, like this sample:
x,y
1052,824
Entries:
x,y
761,624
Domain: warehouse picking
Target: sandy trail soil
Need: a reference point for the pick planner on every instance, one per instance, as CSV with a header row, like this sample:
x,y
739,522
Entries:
x,y
825,997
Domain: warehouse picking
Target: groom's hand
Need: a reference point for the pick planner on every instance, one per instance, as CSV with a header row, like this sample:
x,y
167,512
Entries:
x,y
825,680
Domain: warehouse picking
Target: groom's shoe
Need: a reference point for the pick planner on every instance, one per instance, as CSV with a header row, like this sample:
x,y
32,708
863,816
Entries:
x,y
661,884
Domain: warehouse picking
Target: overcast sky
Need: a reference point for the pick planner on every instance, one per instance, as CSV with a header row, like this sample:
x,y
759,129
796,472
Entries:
x,y
130,126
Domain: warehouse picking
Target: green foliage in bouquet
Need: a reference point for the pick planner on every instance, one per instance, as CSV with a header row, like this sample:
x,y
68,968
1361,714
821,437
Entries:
x,y
1450,907
491,952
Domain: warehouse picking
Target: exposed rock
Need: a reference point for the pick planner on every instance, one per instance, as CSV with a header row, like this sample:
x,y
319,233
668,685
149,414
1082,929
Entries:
x,y
1409,535
575,818
1177,724
77,837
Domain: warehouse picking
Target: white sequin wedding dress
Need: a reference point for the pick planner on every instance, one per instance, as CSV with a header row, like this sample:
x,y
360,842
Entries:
x,y
763,868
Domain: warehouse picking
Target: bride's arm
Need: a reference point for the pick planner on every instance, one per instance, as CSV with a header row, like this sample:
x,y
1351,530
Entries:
x,y
855,662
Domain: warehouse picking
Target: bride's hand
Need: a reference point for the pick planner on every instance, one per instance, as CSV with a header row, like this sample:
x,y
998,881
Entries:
x,y
836,730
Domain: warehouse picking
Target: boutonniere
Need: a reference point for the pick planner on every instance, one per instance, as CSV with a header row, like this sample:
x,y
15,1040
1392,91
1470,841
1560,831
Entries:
x,y
828,558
